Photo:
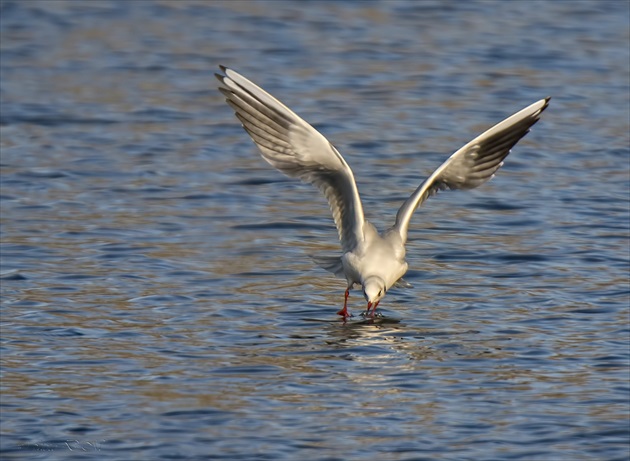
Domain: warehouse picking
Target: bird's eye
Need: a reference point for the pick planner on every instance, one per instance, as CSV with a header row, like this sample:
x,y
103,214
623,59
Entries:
x,y
380,292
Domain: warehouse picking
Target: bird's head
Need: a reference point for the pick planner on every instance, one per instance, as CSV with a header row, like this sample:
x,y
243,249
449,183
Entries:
x,y
374,289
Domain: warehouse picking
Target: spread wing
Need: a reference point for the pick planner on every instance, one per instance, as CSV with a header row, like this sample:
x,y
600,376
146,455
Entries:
x,y
297,149
473,164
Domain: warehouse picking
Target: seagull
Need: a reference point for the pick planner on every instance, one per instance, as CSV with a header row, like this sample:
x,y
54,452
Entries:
x,y
373,260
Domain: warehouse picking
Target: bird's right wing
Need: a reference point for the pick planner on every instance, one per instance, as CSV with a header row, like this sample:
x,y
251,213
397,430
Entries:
x,y
473,164
297,149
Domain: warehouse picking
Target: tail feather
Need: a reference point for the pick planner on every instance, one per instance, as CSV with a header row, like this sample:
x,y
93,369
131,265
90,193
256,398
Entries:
x,y
331,264
402,283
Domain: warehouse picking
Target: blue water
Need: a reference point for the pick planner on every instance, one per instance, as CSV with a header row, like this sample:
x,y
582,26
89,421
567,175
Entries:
x,y
159,300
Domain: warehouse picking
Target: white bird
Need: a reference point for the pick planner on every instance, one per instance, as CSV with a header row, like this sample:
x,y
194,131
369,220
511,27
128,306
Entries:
x,y
374,261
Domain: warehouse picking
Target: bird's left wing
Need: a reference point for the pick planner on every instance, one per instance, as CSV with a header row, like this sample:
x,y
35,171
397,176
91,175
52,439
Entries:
x,y
473,164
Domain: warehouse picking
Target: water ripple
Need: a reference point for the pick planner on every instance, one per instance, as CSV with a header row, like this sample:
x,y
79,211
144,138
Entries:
x,y
158,298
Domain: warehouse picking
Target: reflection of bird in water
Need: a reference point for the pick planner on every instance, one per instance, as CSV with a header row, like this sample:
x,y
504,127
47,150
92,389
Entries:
x,y
374,261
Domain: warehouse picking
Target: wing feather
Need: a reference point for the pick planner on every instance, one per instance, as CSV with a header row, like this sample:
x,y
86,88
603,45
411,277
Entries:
x,y
473,164
295,148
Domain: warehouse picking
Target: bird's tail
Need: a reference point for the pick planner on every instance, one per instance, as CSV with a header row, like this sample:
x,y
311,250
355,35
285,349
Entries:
x,y
331,264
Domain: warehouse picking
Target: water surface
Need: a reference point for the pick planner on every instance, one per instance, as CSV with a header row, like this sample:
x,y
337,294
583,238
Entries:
x,y
158,297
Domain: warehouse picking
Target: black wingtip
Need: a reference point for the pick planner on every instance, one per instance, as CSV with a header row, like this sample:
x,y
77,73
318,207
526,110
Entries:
x,y
545,105
222,76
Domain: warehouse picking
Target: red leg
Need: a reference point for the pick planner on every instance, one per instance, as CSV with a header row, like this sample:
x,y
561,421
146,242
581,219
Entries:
x,y
344,312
